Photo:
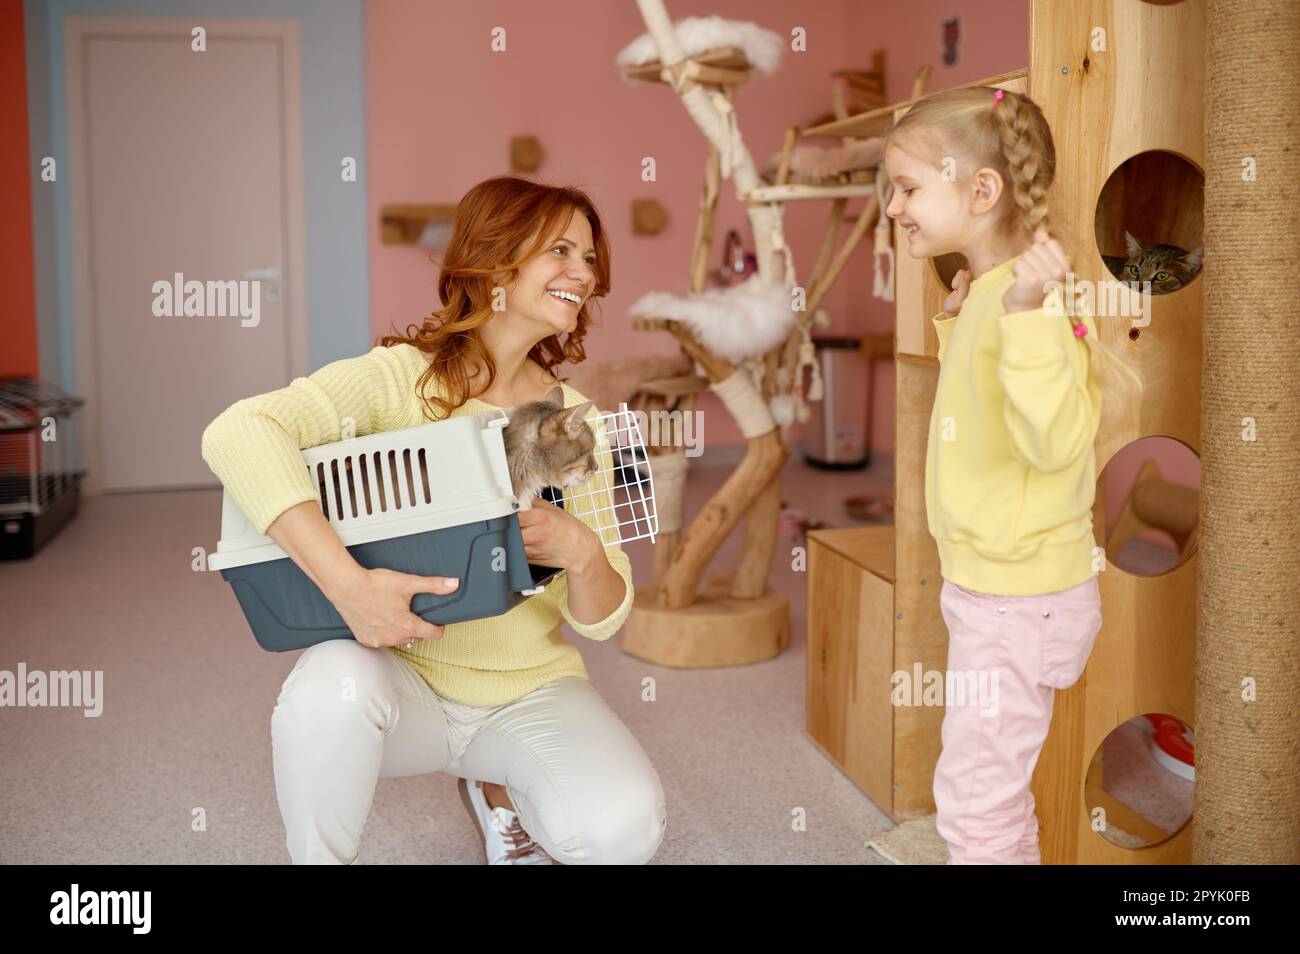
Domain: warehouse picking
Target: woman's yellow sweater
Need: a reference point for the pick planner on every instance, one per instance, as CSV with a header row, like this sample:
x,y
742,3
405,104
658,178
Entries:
x,y
255,446
1010,473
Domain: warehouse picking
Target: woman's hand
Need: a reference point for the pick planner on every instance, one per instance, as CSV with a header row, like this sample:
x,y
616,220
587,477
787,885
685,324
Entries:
x,y
960,286
555,537
1044,261
376,605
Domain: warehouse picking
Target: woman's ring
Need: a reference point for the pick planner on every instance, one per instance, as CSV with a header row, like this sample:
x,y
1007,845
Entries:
x,y
409,643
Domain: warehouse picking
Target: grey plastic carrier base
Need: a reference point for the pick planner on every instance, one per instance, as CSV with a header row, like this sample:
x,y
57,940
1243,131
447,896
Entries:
x,y
287,611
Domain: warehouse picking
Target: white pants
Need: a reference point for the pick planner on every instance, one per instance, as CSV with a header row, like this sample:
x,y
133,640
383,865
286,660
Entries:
x,y
348,715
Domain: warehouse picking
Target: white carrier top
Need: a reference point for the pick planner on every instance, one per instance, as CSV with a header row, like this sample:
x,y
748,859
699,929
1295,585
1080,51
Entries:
x,y
392,484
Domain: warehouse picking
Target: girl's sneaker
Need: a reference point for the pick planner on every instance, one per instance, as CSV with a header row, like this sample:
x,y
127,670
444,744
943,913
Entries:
x,y
504,839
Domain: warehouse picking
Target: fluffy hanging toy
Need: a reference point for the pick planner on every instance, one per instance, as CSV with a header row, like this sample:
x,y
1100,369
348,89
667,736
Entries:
x,y
883,241
807,359
782,408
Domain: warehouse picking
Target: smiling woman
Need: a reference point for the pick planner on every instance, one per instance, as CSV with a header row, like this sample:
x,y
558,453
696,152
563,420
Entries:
x,y
523,264
503,699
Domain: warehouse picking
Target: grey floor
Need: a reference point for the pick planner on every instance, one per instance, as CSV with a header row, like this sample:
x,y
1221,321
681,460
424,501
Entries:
x,y
185,731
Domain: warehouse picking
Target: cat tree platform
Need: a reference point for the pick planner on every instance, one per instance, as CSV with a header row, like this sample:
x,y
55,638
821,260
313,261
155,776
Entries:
x,y
717,629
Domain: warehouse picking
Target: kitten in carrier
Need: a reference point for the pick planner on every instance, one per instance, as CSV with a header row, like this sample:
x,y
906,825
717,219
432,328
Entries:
x,y
1167,267
548,445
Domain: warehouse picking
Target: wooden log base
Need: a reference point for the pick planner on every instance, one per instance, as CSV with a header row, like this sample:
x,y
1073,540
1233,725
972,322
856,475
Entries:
x,y
716,630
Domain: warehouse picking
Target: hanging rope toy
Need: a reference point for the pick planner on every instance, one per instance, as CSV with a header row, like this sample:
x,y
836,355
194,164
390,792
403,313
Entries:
x,y
882,241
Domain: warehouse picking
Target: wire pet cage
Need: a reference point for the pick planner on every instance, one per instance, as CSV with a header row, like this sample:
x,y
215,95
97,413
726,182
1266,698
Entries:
x,y
40,483
430,500
630,512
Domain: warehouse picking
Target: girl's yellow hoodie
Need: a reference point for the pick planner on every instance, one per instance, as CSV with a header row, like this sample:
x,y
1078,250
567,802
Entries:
x,y
1010,473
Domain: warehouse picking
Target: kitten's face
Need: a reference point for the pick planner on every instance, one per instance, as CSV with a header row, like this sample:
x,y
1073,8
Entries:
x,y
569,446
1166,267
548,444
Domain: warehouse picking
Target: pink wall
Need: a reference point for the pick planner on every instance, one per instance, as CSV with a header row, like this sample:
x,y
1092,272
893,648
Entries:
x,y
442,108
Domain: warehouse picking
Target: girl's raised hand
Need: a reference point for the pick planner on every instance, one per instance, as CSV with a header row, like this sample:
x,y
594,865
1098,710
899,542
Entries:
x,y
1044,261
960,286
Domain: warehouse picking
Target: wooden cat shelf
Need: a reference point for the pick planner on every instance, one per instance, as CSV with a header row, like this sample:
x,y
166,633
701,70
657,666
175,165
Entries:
x,y
404,224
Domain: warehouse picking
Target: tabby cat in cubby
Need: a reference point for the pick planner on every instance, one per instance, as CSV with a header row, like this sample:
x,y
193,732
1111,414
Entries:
x,y
1167,267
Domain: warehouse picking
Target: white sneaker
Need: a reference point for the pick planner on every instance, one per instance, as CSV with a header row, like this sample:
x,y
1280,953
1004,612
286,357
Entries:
x,y
504,839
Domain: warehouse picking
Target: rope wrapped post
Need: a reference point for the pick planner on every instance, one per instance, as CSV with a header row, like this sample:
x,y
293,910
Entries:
x,y
1247,798
670,469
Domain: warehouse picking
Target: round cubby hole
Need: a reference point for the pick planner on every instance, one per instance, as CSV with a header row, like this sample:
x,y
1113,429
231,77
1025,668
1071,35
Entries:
x,y
1151,490
946,268
1139,785
1149,221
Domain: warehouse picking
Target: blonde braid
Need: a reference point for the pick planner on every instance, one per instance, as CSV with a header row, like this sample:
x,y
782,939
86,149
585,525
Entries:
x,y
1030,157
1026,143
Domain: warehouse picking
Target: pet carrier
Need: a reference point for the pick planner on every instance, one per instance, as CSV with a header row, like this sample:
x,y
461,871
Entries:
x,y
40,483
430,500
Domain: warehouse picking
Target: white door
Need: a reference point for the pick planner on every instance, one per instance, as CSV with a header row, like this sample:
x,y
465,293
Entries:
x,y
189,162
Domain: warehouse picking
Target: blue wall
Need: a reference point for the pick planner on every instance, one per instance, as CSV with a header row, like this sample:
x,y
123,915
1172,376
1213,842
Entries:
x,y
333,117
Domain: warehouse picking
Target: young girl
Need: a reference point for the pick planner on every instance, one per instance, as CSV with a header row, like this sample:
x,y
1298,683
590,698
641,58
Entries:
x,y
1010,469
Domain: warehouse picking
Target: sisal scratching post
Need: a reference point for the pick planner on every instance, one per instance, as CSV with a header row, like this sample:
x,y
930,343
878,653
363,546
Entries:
x,y
1247,807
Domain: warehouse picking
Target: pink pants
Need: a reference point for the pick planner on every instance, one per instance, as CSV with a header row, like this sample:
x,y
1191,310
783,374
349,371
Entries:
x,y
1010,654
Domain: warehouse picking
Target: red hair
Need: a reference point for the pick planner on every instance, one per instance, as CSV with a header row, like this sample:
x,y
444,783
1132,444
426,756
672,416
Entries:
x,y
493,221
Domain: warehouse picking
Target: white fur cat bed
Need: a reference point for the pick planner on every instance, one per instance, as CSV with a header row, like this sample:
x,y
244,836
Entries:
x,y
740,322
762,48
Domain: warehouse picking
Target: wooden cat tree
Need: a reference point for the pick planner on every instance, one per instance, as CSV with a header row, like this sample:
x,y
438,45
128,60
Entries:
x,y
1143,94
874,598
737,618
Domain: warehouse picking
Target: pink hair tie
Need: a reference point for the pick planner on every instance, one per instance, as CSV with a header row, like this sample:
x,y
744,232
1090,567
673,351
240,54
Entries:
x,y
997,97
